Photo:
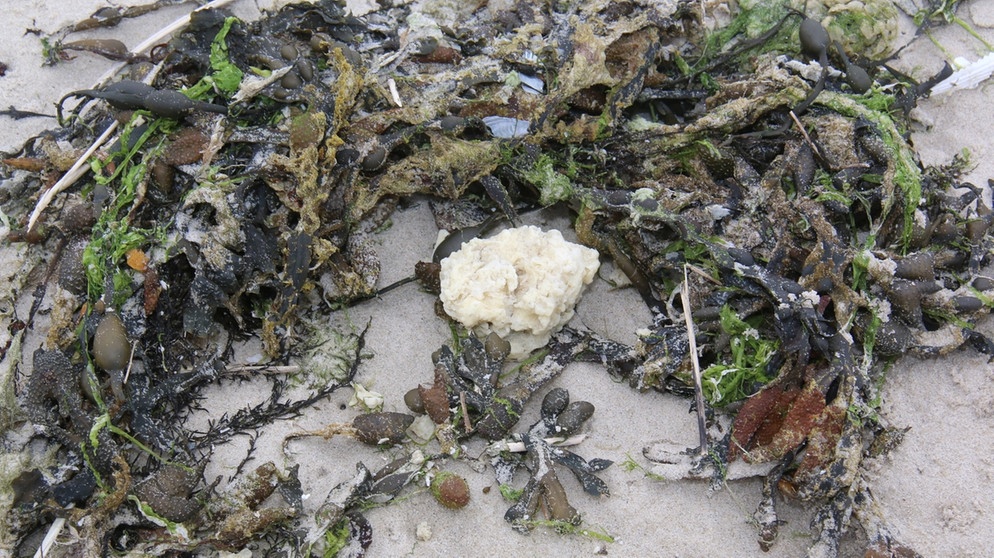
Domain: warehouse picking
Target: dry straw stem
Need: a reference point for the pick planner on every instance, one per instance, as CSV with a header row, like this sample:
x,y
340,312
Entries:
x,y
49,541
804,133
519,447
261,368
80,167
691,337
77,170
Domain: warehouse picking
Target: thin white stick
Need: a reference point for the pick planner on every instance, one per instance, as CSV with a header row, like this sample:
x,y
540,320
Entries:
x,y
692,338
49,541
78,169
519,447
804,132
702,274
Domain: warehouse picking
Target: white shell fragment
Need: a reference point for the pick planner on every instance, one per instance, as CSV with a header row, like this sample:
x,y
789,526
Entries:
x,y
531,84
967,77
506,128
522,284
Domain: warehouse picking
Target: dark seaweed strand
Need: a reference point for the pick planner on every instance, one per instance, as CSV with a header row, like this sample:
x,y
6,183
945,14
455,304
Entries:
x,y
250,419
253,437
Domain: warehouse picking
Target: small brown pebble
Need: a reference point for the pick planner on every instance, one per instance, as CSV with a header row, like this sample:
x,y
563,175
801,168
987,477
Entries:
x,y
163,176
318,39
152,290
79,218
111,347
427,274
291,81
967,303
305,69
436,402
450,123
983,283
414,402
289,52
497,347
918,267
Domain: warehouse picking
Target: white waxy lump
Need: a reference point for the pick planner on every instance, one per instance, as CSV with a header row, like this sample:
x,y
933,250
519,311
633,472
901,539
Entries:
x,y
522,284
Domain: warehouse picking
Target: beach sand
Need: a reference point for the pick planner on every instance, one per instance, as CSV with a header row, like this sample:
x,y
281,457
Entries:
x,y
934,488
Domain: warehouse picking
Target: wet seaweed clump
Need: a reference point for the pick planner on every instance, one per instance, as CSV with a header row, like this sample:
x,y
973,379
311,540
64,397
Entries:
x,y
248,165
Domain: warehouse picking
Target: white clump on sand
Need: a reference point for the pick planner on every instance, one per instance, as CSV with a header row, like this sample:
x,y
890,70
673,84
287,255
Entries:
x,y
521,284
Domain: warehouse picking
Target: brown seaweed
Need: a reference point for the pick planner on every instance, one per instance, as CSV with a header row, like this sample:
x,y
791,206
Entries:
x,y
252,169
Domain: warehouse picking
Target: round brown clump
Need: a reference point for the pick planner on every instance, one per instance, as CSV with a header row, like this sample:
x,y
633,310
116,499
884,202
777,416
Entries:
x,y
382,428
187,146
450,490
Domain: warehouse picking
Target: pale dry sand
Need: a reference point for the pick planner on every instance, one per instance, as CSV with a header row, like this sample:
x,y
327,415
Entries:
x,y
935,488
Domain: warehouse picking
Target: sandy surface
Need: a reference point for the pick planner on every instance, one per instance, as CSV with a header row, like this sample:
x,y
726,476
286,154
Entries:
x,y
934,488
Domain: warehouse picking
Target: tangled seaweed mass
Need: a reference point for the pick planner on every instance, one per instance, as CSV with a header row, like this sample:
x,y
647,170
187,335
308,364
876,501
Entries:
x,y
256,159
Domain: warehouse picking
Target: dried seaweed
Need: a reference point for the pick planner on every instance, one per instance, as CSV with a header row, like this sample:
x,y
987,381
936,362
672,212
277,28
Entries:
x,y
258,157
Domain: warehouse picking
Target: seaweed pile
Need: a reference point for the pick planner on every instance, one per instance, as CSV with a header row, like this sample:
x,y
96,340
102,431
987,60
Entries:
x,y
255,159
